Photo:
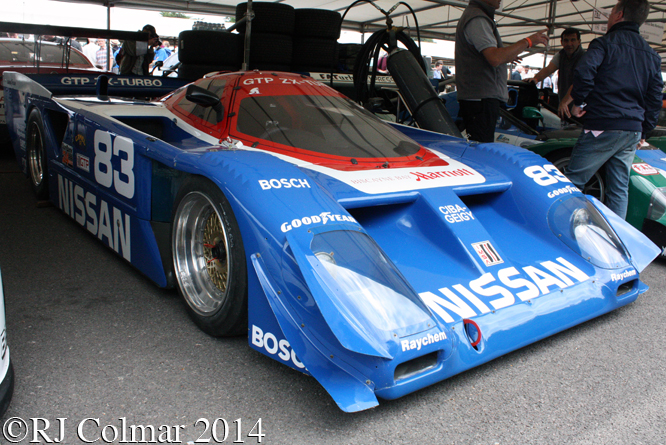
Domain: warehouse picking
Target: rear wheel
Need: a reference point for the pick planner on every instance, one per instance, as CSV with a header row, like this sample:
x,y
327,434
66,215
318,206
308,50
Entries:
x,y
596,186
209,259
36,154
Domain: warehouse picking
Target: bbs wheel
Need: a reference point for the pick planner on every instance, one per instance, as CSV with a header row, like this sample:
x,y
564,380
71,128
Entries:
x,y
36,155
209,259
596,186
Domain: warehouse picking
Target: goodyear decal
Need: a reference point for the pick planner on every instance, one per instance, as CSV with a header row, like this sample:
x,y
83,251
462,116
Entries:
x,y
501,288
108,223
563,191
322,218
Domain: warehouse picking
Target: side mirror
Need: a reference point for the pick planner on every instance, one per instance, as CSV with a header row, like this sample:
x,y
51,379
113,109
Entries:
x,y
532,113
205,98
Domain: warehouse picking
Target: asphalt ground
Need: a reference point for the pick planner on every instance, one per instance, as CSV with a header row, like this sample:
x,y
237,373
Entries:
x,y
95,342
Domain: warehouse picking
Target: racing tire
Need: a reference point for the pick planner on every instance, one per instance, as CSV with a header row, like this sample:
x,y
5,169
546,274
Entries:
x,y
315,52
276,18
209,259
321,23
270,50
36,156
596,186
206,47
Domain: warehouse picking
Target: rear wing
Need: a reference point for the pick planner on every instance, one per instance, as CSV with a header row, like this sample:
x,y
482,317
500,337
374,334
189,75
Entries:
x,y
67,31
120,86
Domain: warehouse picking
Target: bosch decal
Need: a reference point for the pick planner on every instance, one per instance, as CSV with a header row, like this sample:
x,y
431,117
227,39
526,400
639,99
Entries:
x,y
267,184
466,302
272,345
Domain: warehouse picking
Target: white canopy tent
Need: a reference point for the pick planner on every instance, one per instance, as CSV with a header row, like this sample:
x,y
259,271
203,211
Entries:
x,y
438,18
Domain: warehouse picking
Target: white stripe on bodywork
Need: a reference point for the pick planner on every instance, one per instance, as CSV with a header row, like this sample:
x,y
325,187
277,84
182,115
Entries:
x,y
372,181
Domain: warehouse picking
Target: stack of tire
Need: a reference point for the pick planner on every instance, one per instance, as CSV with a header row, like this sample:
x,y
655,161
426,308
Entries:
x,y
316,37
204,51
271,35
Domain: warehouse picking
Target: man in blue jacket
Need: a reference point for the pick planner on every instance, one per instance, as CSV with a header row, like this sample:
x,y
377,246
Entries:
x,y
617,91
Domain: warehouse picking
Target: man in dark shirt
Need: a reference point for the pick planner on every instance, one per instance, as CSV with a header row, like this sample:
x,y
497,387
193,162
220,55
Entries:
x,y
617,92
518,73
481,71
565,61
137,56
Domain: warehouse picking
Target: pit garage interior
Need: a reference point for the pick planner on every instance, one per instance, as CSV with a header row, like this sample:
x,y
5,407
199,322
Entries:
x,y
93,340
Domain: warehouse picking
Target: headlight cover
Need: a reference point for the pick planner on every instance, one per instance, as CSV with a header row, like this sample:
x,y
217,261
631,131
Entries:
x,y
580,226
367,287
657,204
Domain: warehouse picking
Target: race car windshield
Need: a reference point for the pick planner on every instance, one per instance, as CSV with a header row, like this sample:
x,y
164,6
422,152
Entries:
x,y
18,51
329,125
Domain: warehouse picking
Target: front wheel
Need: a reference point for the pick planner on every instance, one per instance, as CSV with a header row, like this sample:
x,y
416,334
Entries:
x,y
209,259
596,186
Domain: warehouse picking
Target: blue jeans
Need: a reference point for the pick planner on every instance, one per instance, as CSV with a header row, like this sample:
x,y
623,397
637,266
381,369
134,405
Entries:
x,y
615,149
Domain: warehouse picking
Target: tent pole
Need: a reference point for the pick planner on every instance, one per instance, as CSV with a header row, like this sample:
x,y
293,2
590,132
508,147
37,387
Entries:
x,y
108,41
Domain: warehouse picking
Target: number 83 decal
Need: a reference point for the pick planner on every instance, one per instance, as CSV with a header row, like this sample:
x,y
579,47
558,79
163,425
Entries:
x,y
544,175
122,180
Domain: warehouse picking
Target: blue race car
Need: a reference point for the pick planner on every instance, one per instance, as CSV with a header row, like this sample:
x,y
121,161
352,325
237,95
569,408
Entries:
x,y
377,258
